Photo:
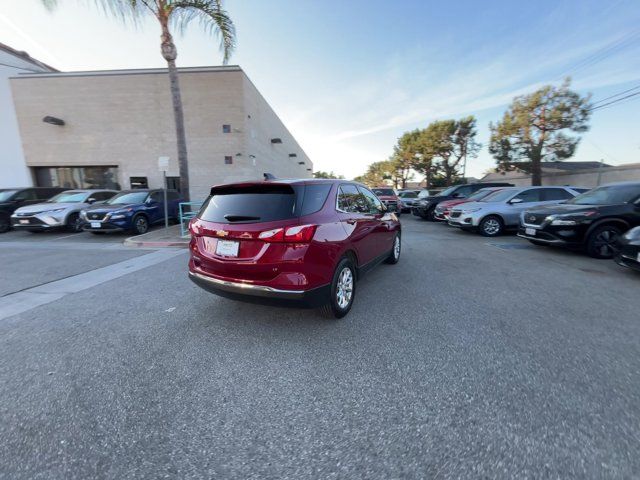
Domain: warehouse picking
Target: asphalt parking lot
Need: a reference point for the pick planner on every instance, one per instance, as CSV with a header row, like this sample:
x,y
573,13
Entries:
x,y
473,358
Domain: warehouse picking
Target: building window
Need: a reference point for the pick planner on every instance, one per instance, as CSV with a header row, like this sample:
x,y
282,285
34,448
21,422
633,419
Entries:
x,y
77,177
173,183
228,160
138,182
226,128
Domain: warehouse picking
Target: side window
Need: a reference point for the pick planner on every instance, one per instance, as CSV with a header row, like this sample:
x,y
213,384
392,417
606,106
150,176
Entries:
x,y
549,194
374,204
314,197
464,192
350,200
26,195
102,196
532,195
157,197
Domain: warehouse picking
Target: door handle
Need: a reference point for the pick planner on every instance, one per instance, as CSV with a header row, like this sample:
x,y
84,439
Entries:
x,y
352,222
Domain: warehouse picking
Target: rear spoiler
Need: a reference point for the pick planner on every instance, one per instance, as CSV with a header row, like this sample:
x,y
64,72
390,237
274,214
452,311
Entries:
x,y
268,176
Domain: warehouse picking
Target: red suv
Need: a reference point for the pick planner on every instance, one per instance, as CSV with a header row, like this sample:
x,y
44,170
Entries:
x,y
300,242
390,198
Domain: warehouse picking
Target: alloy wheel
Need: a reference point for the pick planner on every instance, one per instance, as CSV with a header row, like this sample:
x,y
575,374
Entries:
x,y
396,248
605,243
344,288
141,225
491,226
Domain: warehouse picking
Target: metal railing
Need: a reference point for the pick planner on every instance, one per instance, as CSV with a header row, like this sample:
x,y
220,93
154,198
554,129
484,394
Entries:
x,y
187,210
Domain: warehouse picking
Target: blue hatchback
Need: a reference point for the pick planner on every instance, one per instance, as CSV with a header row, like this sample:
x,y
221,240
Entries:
x,y
132,210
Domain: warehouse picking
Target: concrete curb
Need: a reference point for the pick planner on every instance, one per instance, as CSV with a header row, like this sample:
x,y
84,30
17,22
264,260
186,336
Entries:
x,y
134,242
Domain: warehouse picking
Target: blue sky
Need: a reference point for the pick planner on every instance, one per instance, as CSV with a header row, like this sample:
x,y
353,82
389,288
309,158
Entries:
x,y
349,77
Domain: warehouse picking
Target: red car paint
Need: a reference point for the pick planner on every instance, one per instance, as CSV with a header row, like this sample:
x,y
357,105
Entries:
x,y
447,205
292,259
389,198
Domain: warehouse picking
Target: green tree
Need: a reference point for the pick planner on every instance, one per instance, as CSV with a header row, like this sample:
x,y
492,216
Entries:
x,y
533,129
377,174
176,14
321,174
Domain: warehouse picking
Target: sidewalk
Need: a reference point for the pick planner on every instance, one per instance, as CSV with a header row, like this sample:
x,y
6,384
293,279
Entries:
x,y
159,237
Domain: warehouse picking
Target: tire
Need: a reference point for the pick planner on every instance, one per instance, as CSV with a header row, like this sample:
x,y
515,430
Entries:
x,y
394,255
5,225
140,224
429,216
97,233
491,226
334,308
74,224
601,243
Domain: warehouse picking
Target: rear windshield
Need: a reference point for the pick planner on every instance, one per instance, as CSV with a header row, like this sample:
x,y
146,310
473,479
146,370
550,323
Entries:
x,y
383,192
249,204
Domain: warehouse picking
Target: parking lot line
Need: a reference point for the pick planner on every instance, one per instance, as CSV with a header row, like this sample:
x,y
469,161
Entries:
x,y
19,302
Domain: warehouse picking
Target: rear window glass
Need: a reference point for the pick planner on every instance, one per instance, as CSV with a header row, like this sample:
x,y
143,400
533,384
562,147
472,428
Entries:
x,y
250,204
314,197
384,192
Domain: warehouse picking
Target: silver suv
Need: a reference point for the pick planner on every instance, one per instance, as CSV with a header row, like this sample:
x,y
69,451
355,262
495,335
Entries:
x,y
61,211
501,210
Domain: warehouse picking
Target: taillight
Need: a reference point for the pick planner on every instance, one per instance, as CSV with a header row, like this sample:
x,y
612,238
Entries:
x,y
300,234
194,227
297,234
275,235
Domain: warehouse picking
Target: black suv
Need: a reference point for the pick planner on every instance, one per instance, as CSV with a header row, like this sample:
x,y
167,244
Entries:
x,y
13,198
594,220
426,207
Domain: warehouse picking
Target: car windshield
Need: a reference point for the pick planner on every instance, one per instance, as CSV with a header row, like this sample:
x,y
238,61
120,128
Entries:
x,y
447,192
499,196
384,192
128,197
408,195
69,197
607,195
423,194
480,194
6,195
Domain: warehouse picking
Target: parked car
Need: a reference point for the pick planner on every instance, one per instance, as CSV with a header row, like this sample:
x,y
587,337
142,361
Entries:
x,y
444,208
13,198
594,220
407,198
61,211
628,254
500,211
426,208
301,242
389,198
131,210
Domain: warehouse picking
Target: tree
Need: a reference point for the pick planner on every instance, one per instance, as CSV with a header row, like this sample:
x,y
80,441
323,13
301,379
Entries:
x,y
377,174
533,129
175,14
321,174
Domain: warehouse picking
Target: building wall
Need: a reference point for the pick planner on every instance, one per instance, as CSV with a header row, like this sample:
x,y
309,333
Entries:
x,y
13,172
261,124
578,178
125,119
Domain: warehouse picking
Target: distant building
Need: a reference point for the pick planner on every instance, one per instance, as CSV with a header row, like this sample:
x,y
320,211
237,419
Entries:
x,y
580,174
108,128
13,172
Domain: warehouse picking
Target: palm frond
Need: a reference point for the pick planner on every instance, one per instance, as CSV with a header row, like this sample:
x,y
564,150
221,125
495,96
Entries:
x,y
212,18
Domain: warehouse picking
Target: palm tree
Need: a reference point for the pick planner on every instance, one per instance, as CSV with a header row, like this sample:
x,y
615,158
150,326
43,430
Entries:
x,y
175,14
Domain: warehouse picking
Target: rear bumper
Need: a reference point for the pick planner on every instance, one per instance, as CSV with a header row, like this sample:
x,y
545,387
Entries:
x,y
262,294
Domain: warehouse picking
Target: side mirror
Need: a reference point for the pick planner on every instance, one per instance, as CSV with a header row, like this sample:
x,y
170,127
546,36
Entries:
x,y
456,195
515,200
91,200
148,201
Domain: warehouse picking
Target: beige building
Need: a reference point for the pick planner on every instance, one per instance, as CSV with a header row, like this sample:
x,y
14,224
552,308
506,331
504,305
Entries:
x,y
578,174
108,129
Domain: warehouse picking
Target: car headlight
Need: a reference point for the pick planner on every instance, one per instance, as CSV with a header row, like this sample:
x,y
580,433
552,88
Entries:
x,y
55,210
633,234
118,216
569,219
471,210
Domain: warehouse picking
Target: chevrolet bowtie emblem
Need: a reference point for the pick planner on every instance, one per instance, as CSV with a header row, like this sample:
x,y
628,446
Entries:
x,y
222,233
532,218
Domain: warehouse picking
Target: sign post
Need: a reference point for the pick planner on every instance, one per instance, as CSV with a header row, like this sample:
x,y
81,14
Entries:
x,y
163,166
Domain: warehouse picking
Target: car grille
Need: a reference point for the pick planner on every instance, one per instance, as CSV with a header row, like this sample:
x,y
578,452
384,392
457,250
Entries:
x,y
534,218
455,214
26,214
96,216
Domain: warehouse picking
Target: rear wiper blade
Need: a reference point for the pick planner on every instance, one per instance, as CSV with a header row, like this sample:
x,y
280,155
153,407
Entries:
x,y
239,218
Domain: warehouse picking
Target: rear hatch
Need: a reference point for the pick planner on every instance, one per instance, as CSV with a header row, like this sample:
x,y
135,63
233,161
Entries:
x,y
247,231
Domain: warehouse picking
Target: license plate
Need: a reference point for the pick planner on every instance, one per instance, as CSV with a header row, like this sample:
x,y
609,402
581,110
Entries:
x,y
24,222
96,224
530,231
227,248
